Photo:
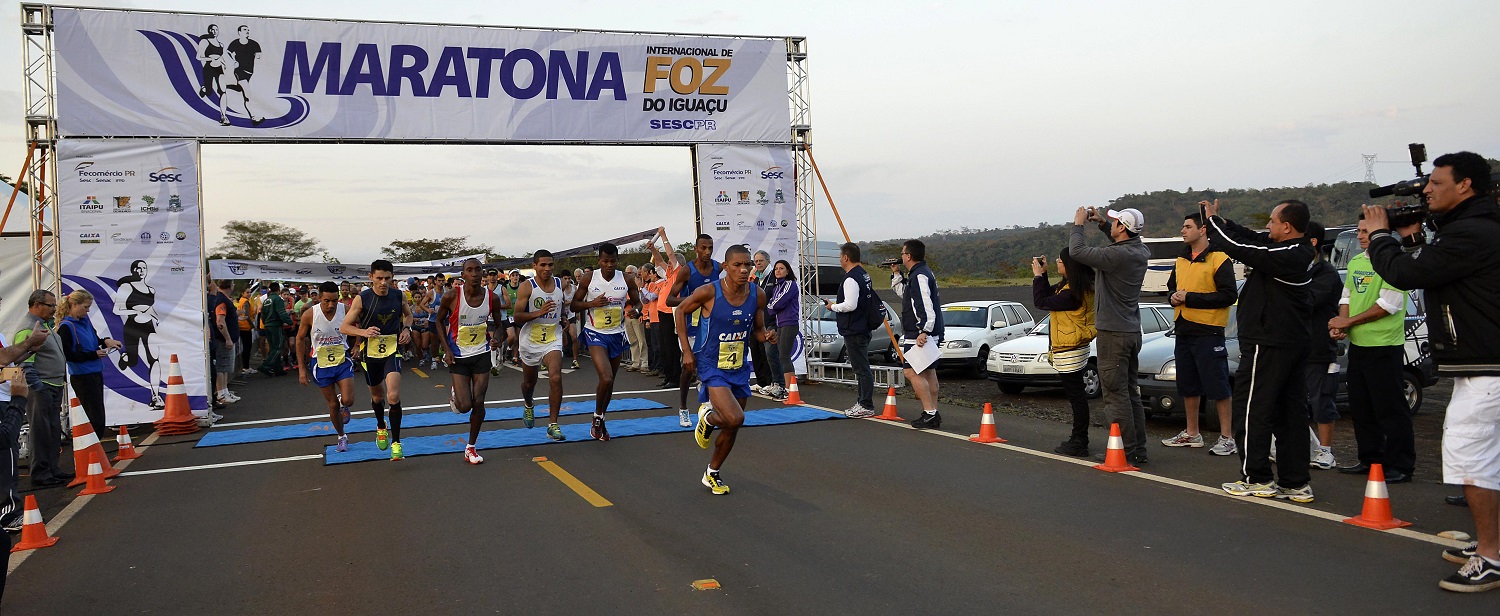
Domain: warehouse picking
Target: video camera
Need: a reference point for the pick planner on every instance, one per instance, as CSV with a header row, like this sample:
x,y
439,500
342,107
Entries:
x,y
890,262
1403,215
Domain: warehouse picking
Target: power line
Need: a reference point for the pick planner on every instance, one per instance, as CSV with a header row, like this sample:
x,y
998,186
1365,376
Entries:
x,y
1370,167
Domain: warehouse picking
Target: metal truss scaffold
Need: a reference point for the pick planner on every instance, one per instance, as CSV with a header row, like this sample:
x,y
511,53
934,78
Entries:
x,y
800,94
38,96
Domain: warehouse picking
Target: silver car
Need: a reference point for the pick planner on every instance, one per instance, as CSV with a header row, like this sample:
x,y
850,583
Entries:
x,y
828,345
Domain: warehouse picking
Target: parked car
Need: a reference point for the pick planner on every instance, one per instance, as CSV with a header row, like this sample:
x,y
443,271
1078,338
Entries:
x,y
971,329
828,345
1024,362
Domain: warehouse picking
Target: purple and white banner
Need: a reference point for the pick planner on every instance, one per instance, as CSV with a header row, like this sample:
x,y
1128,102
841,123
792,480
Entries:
x,y
129,234
159,74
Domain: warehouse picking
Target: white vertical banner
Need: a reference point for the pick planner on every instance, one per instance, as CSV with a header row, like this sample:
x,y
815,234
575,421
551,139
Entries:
x,y
131,235
747,195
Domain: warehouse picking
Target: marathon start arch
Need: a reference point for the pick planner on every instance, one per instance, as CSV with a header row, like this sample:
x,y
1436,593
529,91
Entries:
x,y
118,102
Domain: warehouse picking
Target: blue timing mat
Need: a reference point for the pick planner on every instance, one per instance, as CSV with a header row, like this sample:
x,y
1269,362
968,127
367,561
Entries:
x,y
522,437
415,420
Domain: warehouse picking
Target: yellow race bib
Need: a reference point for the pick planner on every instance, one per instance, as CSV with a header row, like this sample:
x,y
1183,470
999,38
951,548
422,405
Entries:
x,y
694,322
543,333
471,335
381,347
607,316
330,356
731,355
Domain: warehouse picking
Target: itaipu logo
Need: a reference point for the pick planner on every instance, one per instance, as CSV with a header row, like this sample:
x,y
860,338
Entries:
x,y
201,87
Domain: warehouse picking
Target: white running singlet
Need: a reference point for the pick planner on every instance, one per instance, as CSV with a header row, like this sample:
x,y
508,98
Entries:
x,y
543,334
467,327
609,318
330,347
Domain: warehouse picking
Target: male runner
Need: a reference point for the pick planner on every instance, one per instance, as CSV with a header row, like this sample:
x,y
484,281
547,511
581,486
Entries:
x,y
463,314
570,320
606,294
702,270
538,311
732,309
320,340
245,51
511,288
382,317
497,326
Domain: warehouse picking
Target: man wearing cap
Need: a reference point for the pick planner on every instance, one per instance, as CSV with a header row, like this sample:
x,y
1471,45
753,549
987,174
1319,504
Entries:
x,y
1120,268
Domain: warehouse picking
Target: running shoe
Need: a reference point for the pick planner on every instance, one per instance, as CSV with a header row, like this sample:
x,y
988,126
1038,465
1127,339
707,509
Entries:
x,y
1303,494
554,432
1245,488
597,429
471,456
859,411
344,415
575,364
1183,439
1224,447
396,452
528,416
756,389
1477,575
1323,459
927,421
1461,555
343,444
382,438
704,429
714,484
683,419
494,370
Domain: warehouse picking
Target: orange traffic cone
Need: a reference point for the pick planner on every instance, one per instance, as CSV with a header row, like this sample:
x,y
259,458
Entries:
x,y
96,477
987,428
85,442
1114,456
33,531
889,414
178,418
792,395
1376,513
127,450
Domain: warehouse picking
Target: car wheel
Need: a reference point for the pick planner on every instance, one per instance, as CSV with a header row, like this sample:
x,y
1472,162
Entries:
x,y
890,355
977,370
843,357
1411,385
1091,384
1208,415
1011,388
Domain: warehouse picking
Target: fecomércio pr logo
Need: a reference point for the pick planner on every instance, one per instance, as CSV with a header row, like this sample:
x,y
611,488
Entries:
x,y
208,78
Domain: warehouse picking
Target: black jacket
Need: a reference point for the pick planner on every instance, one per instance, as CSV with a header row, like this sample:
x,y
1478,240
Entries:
x,y
1324,293
1460,270
1274,305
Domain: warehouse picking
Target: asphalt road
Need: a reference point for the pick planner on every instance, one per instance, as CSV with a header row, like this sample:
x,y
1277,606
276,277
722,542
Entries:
x,y
841,517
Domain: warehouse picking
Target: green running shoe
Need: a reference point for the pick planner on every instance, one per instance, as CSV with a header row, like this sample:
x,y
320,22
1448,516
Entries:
x,y
382,439
554,432
396,452
528,416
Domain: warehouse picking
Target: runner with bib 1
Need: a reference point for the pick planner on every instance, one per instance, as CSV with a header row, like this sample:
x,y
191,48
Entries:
x,y
381,315
538,311
603,296
319,339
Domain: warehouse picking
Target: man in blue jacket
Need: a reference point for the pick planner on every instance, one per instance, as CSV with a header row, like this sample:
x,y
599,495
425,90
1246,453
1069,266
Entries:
x,y
921,326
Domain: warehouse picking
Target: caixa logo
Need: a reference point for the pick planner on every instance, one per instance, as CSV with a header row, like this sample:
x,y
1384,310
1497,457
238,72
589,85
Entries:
x,y
774,173
168,174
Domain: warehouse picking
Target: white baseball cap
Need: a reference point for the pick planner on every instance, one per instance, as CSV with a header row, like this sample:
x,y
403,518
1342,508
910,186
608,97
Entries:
x,y
1130,217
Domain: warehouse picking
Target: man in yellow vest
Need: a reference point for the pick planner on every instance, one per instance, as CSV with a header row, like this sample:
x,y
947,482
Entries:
x,y
1372,315
1202,290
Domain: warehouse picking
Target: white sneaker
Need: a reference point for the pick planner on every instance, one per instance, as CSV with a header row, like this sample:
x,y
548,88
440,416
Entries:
x,y
223,400
1323,459
234,396
1224,447
682,418
756,389
858,411
1183,439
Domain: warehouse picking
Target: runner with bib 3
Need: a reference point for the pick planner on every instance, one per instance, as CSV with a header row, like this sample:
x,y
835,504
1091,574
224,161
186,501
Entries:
x,y
603,296
382,317
538,310
464,312
319,339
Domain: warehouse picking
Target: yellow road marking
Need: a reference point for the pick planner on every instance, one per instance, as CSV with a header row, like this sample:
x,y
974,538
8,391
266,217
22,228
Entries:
x,y
708,584
419,373
569,480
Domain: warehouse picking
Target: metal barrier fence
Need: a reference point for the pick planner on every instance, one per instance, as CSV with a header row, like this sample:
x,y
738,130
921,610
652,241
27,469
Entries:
x,y
885,376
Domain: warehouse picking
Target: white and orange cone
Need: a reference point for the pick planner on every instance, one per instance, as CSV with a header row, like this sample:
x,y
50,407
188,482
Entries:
x,y
987,428
1376,512
889,413
85,441
127,449
1114,456
96,477
792,395
33,530
178,418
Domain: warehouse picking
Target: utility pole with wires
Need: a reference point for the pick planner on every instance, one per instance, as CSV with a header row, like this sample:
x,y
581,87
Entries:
x,y
1370,167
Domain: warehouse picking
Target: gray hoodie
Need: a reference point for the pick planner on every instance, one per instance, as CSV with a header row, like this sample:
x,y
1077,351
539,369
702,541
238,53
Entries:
x,y
1121,269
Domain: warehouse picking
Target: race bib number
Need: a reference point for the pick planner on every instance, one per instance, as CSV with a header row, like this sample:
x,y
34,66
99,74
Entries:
x,y
330,356
381,347
731,355
543,333
607,316
471,335
697,312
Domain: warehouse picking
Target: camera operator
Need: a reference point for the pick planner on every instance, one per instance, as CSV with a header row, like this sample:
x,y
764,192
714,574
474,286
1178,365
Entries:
x,y
1270,387
1460,271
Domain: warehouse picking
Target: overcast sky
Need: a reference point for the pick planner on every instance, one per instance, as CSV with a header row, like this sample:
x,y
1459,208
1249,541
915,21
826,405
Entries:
x,y
926,116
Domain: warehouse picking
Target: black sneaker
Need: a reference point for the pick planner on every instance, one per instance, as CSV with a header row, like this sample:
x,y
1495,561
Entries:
x,y
597,430
1073,448
927,421
1477,575
1461,555
1138,458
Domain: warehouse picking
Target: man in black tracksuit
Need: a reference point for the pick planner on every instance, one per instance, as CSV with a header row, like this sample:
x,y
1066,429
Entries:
x,y
1270,393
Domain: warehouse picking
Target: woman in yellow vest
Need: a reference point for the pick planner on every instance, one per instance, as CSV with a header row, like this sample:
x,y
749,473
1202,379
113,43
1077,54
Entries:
x,y
1071,303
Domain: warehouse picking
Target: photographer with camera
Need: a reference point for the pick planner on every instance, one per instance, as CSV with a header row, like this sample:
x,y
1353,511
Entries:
x,y
1270,387
1460,271
1120,268
1071,306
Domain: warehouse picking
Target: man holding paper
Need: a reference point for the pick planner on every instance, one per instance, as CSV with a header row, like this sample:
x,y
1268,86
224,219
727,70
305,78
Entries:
x,y
921,328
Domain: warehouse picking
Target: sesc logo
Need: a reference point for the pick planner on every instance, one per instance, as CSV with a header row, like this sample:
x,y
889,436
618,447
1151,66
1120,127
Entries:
x,y
167,174
774,173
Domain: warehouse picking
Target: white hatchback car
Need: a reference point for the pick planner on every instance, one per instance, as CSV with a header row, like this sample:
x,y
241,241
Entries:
x,y
971,329
1023,362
